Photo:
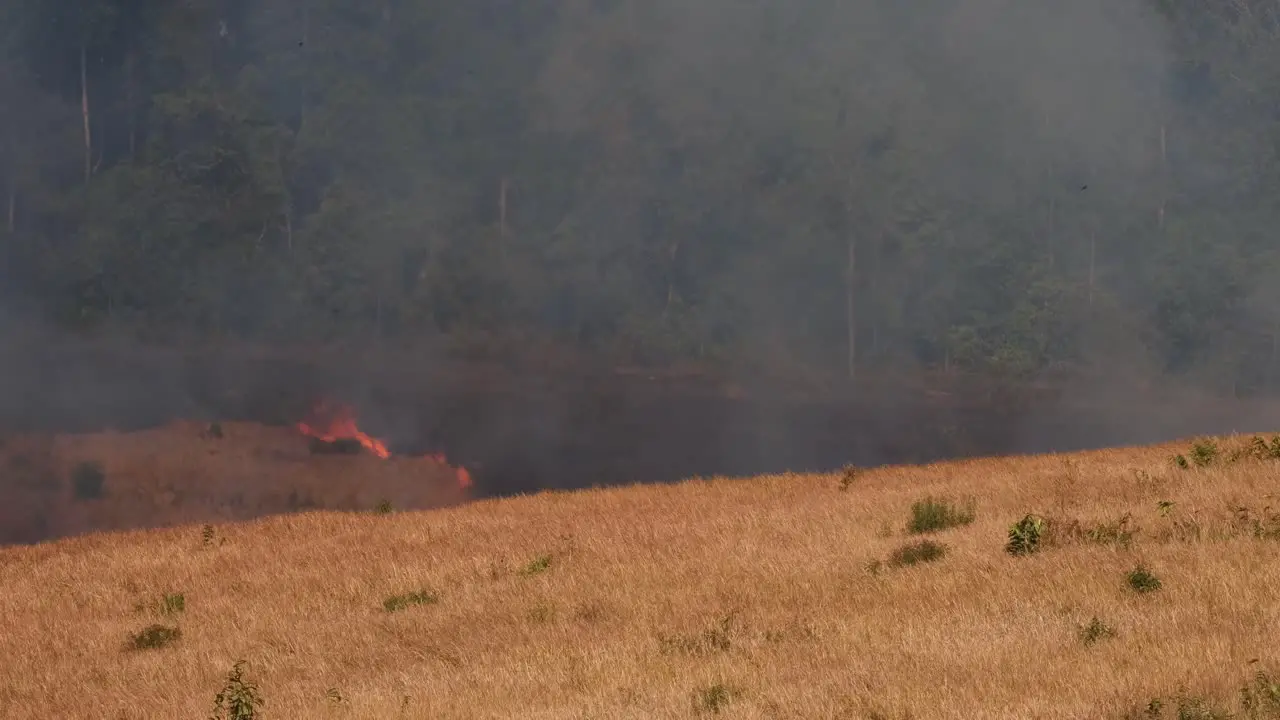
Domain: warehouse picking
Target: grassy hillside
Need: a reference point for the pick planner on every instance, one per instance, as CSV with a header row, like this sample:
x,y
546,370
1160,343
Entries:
x,y
789,596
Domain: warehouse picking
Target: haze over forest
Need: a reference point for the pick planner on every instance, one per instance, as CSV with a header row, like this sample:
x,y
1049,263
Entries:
x,y
817,186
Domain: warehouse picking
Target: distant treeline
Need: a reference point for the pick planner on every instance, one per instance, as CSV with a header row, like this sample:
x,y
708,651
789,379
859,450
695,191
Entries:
x,y
815,186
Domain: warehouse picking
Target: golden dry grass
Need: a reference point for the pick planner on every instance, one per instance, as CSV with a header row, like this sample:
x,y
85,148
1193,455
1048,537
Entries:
x,y
626,621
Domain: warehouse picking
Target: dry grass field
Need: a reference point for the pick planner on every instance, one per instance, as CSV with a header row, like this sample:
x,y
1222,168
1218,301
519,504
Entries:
x,y
785,596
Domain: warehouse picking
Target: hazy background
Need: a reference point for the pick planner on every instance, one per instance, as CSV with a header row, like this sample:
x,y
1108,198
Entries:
x,y
944,194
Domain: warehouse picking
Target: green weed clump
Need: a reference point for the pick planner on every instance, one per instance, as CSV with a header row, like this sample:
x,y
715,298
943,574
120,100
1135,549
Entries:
x,y
1142,580
1116,532
155,637
1025,536
238,699
538,566
1263,524
715,698
1206,452
716,639
1261,697
396,603
167,604
1096,631
916,553
1258,699
934,514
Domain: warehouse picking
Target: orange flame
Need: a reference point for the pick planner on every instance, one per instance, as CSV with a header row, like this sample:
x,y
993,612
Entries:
x,y
464,476
332,423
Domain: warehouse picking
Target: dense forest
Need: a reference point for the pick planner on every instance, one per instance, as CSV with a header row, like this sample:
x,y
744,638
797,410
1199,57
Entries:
x,y
817,186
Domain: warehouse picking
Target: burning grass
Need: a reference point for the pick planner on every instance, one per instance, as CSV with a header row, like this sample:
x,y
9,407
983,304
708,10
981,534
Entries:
x,y
191,472
746,598
334,426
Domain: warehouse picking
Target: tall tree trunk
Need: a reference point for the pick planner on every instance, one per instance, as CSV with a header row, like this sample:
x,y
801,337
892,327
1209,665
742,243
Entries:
x,y
1164,177
851,317
502,208
84,111
12,215
1050,238
1271,362
1050,225
671,279
875,309
305,44
1093,254
131,95
102,149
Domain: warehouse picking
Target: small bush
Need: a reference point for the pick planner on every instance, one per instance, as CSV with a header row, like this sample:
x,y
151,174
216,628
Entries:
x,y
848,477
1257,449
238,700
541,613
934,514
1181,707
715,639
1261,698
168,604
88,480
155,637
1263,525
1096,630
1257,700
715,698
1117,532
795,631
1204,452
1189,707
173,603
383,508
916,553
1025,535
539,565
396,603
1143,581
590,612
